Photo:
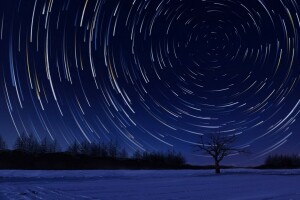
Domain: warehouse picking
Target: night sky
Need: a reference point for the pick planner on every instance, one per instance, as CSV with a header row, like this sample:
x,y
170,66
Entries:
x,y
152,74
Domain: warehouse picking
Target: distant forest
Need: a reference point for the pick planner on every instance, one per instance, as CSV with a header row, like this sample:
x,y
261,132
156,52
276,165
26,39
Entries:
x,y
282,162
28,153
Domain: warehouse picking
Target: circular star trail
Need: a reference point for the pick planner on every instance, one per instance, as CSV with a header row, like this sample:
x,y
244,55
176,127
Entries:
x,y
151,74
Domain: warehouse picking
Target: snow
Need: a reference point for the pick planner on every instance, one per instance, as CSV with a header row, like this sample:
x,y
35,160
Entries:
x,y
237,184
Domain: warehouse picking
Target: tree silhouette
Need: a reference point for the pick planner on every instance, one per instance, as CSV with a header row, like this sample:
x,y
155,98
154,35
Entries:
x,y
73,148
123,154
85,148
27,143
48,146
2,143
218,147
112,149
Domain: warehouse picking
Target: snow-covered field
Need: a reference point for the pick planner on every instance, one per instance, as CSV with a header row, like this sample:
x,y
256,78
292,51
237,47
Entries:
x,y
154,185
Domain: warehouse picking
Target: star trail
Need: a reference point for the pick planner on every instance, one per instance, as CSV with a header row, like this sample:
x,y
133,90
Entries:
x,y
150,74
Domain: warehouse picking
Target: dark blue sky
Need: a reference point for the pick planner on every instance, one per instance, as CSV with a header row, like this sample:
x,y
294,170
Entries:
x,y
153,75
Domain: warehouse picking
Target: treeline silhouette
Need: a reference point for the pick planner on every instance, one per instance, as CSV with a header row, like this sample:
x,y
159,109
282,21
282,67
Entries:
x,y
282,162
28,153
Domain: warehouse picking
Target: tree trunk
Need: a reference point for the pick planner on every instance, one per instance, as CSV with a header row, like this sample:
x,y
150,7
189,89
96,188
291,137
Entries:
x,y
217,168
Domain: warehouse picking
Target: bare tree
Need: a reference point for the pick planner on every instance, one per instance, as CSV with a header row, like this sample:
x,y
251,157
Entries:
x,y
27,143
48,146
112,149
73,148
218,147
2,143
123,154
85,148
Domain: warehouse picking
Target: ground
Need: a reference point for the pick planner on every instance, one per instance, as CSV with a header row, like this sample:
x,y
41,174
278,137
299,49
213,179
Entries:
x,y
150,185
